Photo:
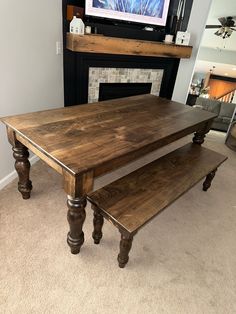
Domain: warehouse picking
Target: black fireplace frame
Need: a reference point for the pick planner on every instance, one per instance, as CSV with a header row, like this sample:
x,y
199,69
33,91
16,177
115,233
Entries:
x,y
76,73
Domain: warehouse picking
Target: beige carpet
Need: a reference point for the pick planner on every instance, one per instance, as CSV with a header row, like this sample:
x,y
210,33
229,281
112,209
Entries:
x,y
182,262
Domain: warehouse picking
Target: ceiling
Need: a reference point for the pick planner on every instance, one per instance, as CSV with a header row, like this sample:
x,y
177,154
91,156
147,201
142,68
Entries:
x,y
228,70
219,8
210,40
220,47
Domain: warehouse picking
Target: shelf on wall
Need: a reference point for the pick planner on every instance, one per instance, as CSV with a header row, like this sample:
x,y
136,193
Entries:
x,y
123,46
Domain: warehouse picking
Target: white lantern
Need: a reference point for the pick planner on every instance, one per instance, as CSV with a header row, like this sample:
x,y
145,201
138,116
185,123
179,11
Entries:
x,y
77,26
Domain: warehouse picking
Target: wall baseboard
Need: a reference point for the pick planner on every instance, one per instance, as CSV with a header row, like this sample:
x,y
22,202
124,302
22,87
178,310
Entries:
x,y
11,176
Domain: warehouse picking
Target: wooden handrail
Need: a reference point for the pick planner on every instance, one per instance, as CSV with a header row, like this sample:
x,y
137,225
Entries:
x,y
233,90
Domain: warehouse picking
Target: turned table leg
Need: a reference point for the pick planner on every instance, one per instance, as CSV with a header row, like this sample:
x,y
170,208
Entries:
x,y
98,221
125,247
199,138
76,217
201,133
208,180
76,188
22,166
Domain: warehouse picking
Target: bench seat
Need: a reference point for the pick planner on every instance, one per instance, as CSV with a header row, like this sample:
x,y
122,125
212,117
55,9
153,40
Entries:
x,y
135,199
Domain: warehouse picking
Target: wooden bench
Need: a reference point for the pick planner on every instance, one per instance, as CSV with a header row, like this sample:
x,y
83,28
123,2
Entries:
x,y
132,201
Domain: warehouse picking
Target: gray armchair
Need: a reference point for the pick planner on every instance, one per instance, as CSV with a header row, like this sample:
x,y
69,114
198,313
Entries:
x,y
224,111
231,137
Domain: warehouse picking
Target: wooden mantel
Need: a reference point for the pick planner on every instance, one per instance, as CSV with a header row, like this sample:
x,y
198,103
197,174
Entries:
x,y
123,46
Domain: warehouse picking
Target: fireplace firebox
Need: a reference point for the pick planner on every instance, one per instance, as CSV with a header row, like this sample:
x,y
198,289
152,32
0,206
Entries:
x,y
118,90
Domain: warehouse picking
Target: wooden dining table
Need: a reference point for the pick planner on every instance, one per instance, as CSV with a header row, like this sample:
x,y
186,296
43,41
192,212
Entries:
x,y
86,141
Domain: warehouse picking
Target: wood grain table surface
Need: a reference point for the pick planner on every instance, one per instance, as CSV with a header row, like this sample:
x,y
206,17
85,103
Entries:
x,y
85,141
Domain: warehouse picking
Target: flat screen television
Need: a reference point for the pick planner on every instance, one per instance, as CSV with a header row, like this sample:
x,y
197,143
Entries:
x,y
149,12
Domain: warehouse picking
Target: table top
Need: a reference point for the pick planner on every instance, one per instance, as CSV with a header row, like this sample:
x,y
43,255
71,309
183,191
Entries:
x,y
105,135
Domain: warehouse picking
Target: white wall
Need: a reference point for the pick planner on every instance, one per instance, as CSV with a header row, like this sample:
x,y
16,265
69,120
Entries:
x,y
31,75
196,26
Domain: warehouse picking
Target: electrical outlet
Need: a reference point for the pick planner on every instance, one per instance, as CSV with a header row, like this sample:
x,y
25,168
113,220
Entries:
x,y
58,48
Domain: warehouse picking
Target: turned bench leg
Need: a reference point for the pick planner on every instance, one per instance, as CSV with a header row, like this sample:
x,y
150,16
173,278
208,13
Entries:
x,y
125,247
208,180
98,221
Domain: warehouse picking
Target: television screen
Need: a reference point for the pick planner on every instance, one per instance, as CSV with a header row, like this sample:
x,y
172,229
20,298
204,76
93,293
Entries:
x,y
149,12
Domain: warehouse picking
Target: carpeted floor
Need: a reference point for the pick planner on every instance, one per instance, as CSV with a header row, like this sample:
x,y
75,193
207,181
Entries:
x,y
182,262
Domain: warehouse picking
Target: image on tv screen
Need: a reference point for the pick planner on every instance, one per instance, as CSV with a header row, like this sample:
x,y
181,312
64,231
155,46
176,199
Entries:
x,y
151,8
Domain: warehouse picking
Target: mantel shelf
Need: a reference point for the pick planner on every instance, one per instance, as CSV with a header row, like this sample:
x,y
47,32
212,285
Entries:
x,y
124,46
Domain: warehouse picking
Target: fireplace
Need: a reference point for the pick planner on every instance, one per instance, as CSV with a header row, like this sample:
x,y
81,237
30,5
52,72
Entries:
x,y
118,90
121,82
88,71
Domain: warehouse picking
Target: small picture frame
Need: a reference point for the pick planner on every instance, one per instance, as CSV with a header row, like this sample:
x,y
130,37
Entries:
x,y
182,38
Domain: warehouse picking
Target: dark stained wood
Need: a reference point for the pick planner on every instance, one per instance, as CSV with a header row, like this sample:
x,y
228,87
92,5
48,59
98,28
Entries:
x,y
85,141
125,247
209,178
97,224
135,199
76,217
22,166
75,186
199,136
11,135
132,201
102,136
124,46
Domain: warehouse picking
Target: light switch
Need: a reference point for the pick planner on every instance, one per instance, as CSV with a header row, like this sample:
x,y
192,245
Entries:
x,y
58,48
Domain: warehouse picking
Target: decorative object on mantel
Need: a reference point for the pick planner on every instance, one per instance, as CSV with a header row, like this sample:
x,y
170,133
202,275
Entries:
x,y
182,38
88,29
177,19
123,46
77,26
168,39
149,28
